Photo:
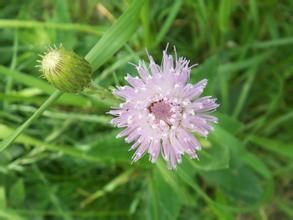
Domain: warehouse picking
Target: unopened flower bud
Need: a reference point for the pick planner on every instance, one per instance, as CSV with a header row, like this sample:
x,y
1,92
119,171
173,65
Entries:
x,y
66,70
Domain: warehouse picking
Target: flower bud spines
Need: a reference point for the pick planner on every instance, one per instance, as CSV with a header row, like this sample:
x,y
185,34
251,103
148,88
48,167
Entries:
x,y
66,70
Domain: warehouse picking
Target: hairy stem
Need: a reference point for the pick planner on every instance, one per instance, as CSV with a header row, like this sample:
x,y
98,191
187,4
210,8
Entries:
x,y
4,144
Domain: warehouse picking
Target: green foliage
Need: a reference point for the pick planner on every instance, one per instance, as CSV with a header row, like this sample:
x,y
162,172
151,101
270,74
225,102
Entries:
x,y
69,165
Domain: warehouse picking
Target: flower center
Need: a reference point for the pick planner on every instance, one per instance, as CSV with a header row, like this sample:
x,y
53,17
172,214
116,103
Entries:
x,y
161,110
50,61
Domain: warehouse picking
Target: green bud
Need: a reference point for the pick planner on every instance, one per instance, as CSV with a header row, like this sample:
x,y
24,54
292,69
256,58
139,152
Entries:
x,y
66,70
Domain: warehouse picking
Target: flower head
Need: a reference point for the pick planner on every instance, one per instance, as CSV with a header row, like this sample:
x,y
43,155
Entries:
x,y
161,110
66,70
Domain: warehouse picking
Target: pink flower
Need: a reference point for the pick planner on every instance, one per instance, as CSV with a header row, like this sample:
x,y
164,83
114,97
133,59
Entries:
x,y
161,110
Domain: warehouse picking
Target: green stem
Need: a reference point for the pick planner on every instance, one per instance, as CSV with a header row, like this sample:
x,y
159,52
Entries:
x,y
4,144
8,23
100,93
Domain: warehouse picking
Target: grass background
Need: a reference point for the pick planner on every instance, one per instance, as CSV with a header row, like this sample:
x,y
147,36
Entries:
x,y
68,164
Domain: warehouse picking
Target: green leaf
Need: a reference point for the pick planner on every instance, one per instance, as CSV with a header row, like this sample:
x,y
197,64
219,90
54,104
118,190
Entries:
x,y
162,201
234,67
228,123
239,182
245,91
274,43
174,9
225,11
116,36
215,153
275,146
225,138
257,164
122,179
10,215
286,207
173,181
186,174
2,197
214,157
17,193
68,39
9,23
101,150
109,148
207,70
9,139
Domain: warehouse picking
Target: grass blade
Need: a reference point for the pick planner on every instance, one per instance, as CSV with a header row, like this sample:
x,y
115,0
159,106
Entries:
x,y
9,23
116,36
27,123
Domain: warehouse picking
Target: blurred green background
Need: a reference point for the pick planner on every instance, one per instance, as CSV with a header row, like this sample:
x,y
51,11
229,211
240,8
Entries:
x,y
69,165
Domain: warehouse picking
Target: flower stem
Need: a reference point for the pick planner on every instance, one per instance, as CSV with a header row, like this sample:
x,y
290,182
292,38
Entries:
x,y
100,93
9,140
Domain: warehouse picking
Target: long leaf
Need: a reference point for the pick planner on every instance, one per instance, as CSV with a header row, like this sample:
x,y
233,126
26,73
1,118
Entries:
x,y
116,36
